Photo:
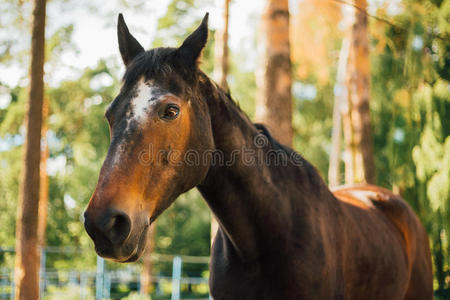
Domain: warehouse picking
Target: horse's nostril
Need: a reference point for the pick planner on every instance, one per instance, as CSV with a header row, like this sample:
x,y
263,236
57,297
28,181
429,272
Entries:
x,y
89,226
117,227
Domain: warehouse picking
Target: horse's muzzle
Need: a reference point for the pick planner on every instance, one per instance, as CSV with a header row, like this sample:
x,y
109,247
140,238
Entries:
x,y
111,233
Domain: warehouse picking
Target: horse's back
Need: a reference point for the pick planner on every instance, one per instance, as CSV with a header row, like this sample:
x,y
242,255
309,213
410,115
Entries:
x,y
370,201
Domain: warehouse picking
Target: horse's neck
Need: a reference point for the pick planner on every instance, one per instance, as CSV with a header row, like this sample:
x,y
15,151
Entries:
x,y
253,203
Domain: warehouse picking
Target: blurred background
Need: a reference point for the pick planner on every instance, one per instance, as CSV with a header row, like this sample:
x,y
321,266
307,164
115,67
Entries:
x,y
405,63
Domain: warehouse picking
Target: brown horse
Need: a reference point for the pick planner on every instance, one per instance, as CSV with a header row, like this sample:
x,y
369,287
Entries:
x,y
282,234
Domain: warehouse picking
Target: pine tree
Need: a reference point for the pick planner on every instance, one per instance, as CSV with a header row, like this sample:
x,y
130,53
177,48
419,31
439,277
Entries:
x,y
27,246
360,164
274,80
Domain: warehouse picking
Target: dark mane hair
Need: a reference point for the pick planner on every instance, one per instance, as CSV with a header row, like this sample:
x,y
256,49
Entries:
x,y
145,62
157,63
276,145
312,174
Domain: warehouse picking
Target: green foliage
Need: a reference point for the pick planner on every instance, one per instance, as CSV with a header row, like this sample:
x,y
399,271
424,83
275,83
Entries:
x,y
10,163
70,292
312,123
12,117
242,83
411,113
183,225
179,21
136,296
13,24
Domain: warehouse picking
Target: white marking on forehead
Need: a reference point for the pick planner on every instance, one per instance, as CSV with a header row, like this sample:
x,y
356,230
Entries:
x,y
146,95
118,154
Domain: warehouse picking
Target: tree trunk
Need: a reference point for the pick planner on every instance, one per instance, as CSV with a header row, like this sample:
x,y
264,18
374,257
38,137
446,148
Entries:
x,y
220,73
349,154
274,79
360,163
221,49
43,187
27,258
43,192
340,98
147,266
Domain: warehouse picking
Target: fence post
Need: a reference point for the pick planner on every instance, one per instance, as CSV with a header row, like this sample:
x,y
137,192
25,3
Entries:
x,y
176,278
99,278
83,283
107,284
13,285
4,284
73,278
138,281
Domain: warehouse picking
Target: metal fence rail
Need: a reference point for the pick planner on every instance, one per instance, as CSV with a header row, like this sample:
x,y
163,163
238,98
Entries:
x,y
99,284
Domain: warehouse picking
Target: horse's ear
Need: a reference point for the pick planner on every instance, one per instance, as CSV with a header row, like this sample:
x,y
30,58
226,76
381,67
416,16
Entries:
x,y
129,47
193,45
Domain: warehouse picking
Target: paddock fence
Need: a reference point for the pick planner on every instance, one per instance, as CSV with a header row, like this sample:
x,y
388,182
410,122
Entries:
x,y
114,282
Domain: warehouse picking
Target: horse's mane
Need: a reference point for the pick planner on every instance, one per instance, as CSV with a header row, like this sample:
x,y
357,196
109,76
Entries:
x,y
260,127
311,171
156,62
276,145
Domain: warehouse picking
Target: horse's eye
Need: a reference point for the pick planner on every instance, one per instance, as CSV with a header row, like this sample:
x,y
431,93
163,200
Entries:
x,y
169,112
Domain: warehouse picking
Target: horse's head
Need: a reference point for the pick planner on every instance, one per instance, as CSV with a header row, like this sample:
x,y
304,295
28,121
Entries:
x,y
158,117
